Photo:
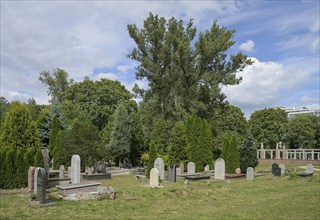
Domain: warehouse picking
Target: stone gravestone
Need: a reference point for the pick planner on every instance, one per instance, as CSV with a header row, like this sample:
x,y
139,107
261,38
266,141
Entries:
x,y
277,171
75,169
191,168
41,185
69,172
172,173
35,179
45,154
250,173
219,170
181,167
238,171
283,168
309,168
31,178
154,177
159,164
178,171
274,166
61,171
207,168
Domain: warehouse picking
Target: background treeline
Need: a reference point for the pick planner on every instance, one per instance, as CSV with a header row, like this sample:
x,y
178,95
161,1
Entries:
x,y
183,115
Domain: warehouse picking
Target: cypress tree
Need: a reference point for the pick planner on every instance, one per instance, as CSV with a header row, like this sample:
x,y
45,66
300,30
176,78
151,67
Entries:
x,y
178,144
20,169
248,153
230,153
2,167
38,158
9,180
152,157
160,136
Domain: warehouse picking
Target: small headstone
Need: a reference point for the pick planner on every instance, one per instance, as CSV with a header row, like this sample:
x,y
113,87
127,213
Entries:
x,y
178,171
309,168
283,168
181,167
219,170
186,182
274,166
228,183
31,178
191,168
35,179
206,168
238,171
75,169
250,173
159,164
172,173
61,171
154,177
41,185
277,171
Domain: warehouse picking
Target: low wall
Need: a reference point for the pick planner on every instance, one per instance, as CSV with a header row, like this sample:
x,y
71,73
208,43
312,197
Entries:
x,y
290,161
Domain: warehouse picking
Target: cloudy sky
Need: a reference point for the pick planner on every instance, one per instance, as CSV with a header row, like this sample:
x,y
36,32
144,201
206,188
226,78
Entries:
x,y
89,38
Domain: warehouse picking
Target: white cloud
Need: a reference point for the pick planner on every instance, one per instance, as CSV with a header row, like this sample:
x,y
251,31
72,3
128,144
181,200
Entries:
x,y
308,100
315,45
247,46
315,27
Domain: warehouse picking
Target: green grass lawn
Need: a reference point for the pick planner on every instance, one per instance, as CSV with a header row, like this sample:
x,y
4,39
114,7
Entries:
x,y
266,197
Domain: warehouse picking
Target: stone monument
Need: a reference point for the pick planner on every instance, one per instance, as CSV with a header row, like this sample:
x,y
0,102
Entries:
x,y
191,168
31,178
75,169
41,185
172,173
154,177
219,169
159,164
250,173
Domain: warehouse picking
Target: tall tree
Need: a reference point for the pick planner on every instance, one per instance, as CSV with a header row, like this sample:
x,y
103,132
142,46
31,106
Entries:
x,y
178,144
248,153
138,143
269,126
4,105
160,136
230,153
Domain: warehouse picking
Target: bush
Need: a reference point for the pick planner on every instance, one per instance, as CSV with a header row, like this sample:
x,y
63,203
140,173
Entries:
x,y
230,153
248,153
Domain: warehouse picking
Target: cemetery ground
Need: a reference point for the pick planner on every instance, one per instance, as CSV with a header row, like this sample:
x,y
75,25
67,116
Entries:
x,y
266,197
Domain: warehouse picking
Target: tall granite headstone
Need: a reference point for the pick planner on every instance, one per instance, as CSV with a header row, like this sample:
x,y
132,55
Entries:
x,y
172,172
159,164
274,166
41,185
75,169
154,177
250,173
31,178
219,169
191,168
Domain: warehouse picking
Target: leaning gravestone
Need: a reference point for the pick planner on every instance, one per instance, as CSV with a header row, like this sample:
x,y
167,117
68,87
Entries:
x,y
283,168
191,168
274,166
181,167
154,177
206,168
172,173
219,170
309,168
250,173
31,178
35,179
75,169
159,164
41,185
61,171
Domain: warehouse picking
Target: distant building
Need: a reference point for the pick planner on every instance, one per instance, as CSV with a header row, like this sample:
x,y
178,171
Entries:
x,y
292,112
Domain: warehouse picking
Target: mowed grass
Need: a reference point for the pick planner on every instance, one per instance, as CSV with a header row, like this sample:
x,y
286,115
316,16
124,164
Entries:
x,y
266,197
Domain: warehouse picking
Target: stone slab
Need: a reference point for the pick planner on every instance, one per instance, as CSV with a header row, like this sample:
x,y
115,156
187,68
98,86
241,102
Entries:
x,y
78,187
96,176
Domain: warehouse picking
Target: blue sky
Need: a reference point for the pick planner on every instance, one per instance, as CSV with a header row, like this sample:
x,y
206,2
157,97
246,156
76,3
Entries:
x,y
89,38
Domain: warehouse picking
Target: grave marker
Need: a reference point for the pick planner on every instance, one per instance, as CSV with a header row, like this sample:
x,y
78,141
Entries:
x,y
277,171
172,173
75,169
154,177
274,166
283,168
309,168
159,164
41,185
61,171
191,168
181,167
206,168
238,171
219,173
250,173
31,178
35,179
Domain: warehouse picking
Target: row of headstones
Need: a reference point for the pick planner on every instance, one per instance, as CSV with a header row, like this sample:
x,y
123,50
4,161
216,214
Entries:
x,y
278,170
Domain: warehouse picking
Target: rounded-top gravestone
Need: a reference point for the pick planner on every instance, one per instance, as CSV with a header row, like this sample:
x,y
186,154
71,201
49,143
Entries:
x,y
41,185
219,169
159,164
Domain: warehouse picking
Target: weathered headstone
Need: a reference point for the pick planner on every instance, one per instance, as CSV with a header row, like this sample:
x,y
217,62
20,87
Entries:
x,y
309,168
159,164
31,178
219,170
181,167
69,171
238,171
61,171
172,172
45,154
35,179
75,169
154,177
191,168
283,168
178,171
250,173
274,166
207,168
277,171
41,185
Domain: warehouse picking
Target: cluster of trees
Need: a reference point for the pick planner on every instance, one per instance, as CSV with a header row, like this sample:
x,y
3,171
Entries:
x,y
183,115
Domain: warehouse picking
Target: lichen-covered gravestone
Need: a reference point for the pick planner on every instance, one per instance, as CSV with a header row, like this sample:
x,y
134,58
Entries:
x,y
191,168
309,168
61,171
219,169
41,185
250,173
283,168
31,178
172,173
159,164
207,168
75,169
274,166
154,177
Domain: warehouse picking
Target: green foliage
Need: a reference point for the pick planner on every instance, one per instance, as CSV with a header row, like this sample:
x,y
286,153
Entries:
x,y
20,178
159,135
178,144
19,130
152,157
303,131
2,167
120,138
200,142
44,126
53,135
230,154
248,153
38,158
10,169
269,126
4,105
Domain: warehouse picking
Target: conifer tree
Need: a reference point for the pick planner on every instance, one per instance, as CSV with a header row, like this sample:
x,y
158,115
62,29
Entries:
x,y
2,166
20,179
178,144
160,136
53,135
230,153
9,180
248,153
152,157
